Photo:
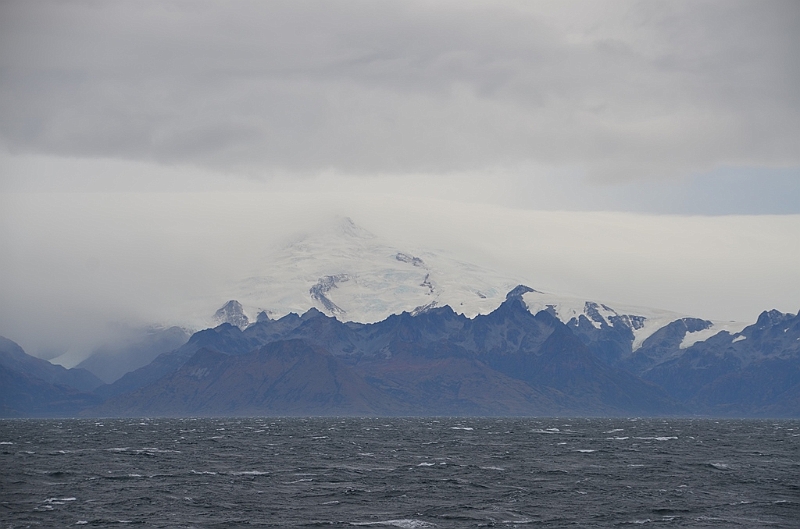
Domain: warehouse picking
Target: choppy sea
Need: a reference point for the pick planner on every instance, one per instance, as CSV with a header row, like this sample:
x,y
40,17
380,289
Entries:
x,y
407,472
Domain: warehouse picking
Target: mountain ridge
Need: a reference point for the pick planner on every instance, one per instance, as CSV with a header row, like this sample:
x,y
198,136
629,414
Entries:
x,y
507,362
510,343
377,309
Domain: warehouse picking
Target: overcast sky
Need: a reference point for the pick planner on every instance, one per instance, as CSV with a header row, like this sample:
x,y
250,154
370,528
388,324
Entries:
x,y
670,131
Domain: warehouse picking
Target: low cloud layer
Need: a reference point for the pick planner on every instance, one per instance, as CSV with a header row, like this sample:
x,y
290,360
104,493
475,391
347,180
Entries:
x,y
78,267
614,90
153,152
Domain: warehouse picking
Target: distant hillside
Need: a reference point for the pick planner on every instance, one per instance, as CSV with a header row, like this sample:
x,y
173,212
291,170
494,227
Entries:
x,y
436,361
31,387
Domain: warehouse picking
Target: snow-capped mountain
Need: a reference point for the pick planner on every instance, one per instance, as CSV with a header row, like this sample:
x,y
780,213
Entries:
x,y
347,272
642,321
232,312
343,322
391,330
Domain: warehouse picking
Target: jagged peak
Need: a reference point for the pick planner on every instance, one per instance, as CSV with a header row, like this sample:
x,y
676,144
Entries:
x,y
422,309
288,316
518,291
696,324
232,312
771,317
313,312
223,328
231,305
512,304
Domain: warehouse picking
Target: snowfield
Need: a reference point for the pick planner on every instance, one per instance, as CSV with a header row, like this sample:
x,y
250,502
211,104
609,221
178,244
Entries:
x,y
347,272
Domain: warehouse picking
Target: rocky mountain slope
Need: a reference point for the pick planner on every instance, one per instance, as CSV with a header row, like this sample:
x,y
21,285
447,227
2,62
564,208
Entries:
x,y
31,387
377,329
438,362
434,362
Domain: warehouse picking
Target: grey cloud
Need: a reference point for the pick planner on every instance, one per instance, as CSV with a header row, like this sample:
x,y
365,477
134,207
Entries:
x,y
620,89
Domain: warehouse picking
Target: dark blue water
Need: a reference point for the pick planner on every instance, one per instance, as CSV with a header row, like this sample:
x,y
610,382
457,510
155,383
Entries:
x,y
400,473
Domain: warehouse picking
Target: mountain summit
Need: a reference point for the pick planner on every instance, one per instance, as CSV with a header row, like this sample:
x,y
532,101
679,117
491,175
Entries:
x,y
348,272
232,312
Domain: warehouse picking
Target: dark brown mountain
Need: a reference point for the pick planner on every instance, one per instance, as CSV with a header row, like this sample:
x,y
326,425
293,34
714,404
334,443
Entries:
x,y
288,377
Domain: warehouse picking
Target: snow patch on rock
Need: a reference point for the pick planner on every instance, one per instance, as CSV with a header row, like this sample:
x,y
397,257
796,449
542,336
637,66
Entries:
x,y
732,327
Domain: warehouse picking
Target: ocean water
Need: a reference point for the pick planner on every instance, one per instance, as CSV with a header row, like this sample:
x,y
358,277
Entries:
x,y
400,472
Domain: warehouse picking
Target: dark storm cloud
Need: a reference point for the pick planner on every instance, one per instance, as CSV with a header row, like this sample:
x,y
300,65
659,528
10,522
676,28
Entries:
x,y
619,89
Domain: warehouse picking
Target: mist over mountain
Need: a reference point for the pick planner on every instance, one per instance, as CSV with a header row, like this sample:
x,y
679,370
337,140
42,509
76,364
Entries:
x,y
434,362
13,358
346,271
31,387
112,361
437,362
342,323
